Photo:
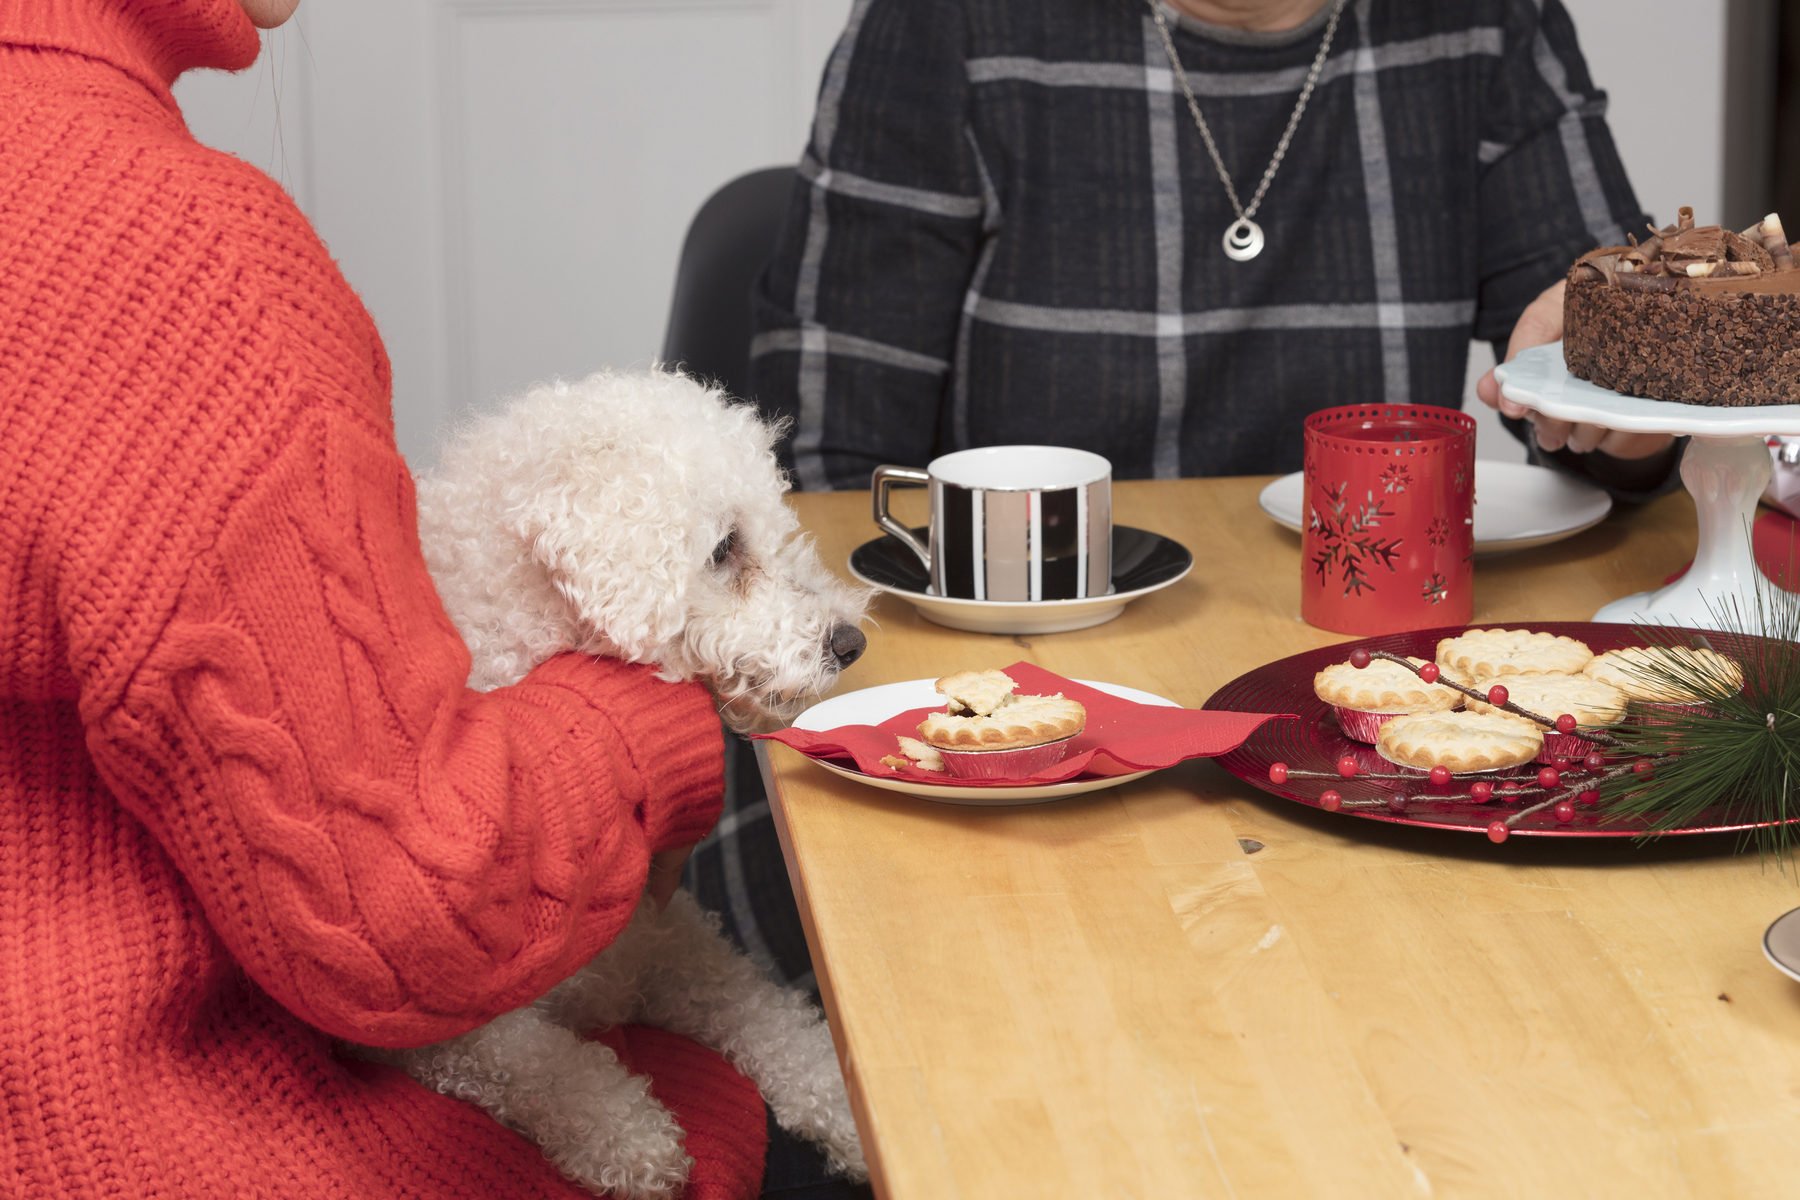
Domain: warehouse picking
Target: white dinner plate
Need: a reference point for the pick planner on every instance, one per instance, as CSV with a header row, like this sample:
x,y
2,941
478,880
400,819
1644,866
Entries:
x,y
872,706
1781,943
1517,506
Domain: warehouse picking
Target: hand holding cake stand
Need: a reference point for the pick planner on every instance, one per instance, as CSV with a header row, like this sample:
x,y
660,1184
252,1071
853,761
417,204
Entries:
x,y
1726,468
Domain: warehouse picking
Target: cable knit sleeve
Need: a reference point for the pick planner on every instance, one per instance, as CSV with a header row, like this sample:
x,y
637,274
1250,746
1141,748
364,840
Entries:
x,y
394,858
266,677
389,855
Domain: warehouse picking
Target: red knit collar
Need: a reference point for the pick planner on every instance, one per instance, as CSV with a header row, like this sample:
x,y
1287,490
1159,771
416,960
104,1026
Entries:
x,y
151,40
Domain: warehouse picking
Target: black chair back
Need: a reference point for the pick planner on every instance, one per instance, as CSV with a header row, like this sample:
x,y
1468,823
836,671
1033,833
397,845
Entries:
x,y
727,246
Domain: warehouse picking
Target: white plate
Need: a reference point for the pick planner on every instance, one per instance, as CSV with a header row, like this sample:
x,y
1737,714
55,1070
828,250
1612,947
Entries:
x,y
1537,378
1781,943
1525,506
872,706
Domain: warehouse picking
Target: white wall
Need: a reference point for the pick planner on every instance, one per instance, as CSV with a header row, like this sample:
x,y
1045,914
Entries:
x,y
507,182
1667,123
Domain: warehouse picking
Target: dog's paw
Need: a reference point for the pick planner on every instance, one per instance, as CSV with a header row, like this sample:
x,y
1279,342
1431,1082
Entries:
x,y
594,1120
810,1101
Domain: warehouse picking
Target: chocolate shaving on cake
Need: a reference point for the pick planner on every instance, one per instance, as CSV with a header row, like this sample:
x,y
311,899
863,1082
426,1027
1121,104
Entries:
x,y
1742,249
1776,243
1687,251
1703,245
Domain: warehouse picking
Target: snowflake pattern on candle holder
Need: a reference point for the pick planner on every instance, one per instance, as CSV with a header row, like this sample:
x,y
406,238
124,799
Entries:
x,y
1436,589
1347,544
1395,478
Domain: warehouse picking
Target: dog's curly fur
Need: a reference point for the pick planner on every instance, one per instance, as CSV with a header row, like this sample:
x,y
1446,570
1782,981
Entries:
x,y
639,516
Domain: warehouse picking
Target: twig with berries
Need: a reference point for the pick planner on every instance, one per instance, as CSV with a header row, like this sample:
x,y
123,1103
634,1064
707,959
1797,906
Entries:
x,y
1497,695
1550,784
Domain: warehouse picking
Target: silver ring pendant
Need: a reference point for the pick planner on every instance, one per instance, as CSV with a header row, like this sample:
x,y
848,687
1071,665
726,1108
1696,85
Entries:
x,y
1244,240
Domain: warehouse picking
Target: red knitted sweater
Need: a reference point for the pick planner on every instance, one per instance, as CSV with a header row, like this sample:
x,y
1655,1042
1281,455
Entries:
x,y
247,806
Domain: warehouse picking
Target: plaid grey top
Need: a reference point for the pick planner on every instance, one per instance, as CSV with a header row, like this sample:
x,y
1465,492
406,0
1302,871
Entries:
x,y
1006,227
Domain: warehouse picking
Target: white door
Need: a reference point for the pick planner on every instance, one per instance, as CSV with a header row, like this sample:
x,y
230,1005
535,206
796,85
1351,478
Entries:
x,y
507,182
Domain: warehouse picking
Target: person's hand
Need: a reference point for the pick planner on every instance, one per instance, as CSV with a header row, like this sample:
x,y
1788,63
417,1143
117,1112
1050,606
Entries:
x,y
1540,324
665,874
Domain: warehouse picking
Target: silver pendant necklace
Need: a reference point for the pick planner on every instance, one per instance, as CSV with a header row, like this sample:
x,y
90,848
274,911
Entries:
x,y
1244,239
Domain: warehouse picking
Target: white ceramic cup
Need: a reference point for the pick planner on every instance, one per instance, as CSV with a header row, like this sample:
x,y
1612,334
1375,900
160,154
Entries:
x,y
1010,522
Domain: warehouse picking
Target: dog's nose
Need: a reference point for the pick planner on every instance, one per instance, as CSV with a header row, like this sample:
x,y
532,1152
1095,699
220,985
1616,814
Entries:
x,y
847,644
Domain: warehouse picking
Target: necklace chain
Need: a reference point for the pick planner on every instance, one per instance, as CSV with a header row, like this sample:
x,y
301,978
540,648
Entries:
x,y
1312,78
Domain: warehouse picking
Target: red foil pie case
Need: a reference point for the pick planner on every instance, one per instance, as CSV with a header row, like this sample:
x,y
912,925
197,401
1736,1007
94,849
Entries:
x,y
1563,745
1390,512
1657,712
1004,764
1363,726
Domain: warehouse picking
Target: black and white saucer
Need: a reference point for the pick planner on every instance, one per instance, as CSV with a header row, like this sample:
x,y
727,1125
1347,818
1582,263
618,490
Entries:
x,y
1143,562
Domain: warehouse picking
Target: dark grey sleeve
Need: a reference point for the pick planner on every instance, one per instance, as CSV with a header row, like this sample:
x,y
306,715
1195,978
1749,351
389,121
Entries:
x,y
1552,187
856,317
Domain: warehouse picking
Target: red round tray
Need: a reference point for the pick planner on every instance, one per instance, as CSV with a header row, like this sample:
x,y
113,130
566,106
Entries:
x,y
1315,743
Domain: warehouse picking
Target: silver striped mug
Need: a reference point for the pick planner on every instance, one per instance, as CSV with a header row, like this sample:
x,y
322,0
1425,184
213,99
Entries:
x,y
1010,522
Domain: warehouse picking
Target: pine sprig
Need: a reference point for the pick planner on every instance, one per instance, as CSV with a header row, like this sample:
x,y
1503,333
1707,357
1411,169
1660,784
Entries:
x,y
1736,756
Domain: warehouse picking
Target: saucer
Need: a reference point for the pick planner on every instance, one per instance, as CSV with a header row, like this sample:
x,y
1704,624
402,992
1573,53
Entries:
x,y
1781,944
1527,506
872,706
1143,562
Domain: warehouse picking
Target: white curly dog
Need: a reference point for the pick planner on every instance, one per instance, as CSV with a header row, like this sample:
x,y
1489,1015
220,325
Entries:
x,y
639,516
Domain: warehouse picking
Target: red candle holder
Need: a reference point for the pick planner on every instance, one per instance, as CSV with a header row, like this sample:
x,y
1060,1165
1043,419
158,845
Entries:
x,y
1390,519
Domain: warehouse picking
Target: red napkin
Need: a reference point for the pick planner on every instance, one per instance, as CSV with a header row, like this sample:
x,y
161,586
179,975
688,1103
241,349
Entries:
x,y
1775,541
1122,736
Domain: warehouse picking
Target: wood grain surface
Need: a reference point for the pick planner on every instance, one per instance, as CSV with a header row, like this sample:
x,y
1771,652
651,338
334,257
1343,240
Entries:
x,y
1186,987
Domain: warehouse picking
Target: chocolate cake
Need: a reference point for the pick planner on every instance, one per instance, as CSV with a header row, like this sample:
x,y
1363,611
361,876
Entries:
x,y
1697,315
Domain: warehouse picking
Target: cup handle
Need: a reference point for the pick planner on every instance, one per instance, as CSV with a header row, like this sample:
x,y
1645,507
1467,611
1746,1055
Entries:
x,y
879,483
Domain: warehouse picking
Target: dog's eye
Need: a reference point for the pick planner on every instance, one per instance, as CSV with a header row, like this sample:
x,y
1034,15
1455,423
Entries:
x,y
724,549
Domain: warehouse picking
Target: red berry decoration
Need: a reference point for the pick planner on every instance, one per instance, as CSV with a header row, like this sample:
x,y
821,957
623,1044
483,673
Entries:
x,y
1440,776
1549,779
1429,672
1560,762
1565,724
1277,772
1591,796
1481,792
1509,786
1330,801
1595,761
1397,802
1497,695
1497,832
1565,812
1359,658
1347,766
1643,770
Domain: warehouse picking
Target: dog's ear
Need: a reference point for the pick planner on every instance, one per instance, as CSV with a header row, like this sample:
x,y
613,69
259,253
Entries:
x,y
619,484
625,578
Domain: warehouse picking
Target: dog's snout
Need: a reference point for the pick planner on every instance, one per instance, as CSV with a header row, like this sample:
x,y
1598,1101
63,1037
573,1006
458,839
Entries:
x,y
847,644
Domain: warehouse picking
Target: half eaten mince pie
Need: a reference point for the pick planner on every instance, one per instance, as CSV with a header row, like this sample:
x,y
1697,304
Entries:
x,y
983,713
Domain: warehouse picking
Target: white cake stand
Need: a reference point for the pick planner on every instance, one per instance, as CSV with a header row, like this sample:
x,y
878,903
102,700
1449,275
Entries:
x,y
1726,468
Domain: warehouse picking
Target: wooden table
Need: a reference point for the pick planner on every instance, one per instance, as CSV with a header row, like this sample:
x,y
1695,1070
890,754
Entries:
x,y
1186,987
